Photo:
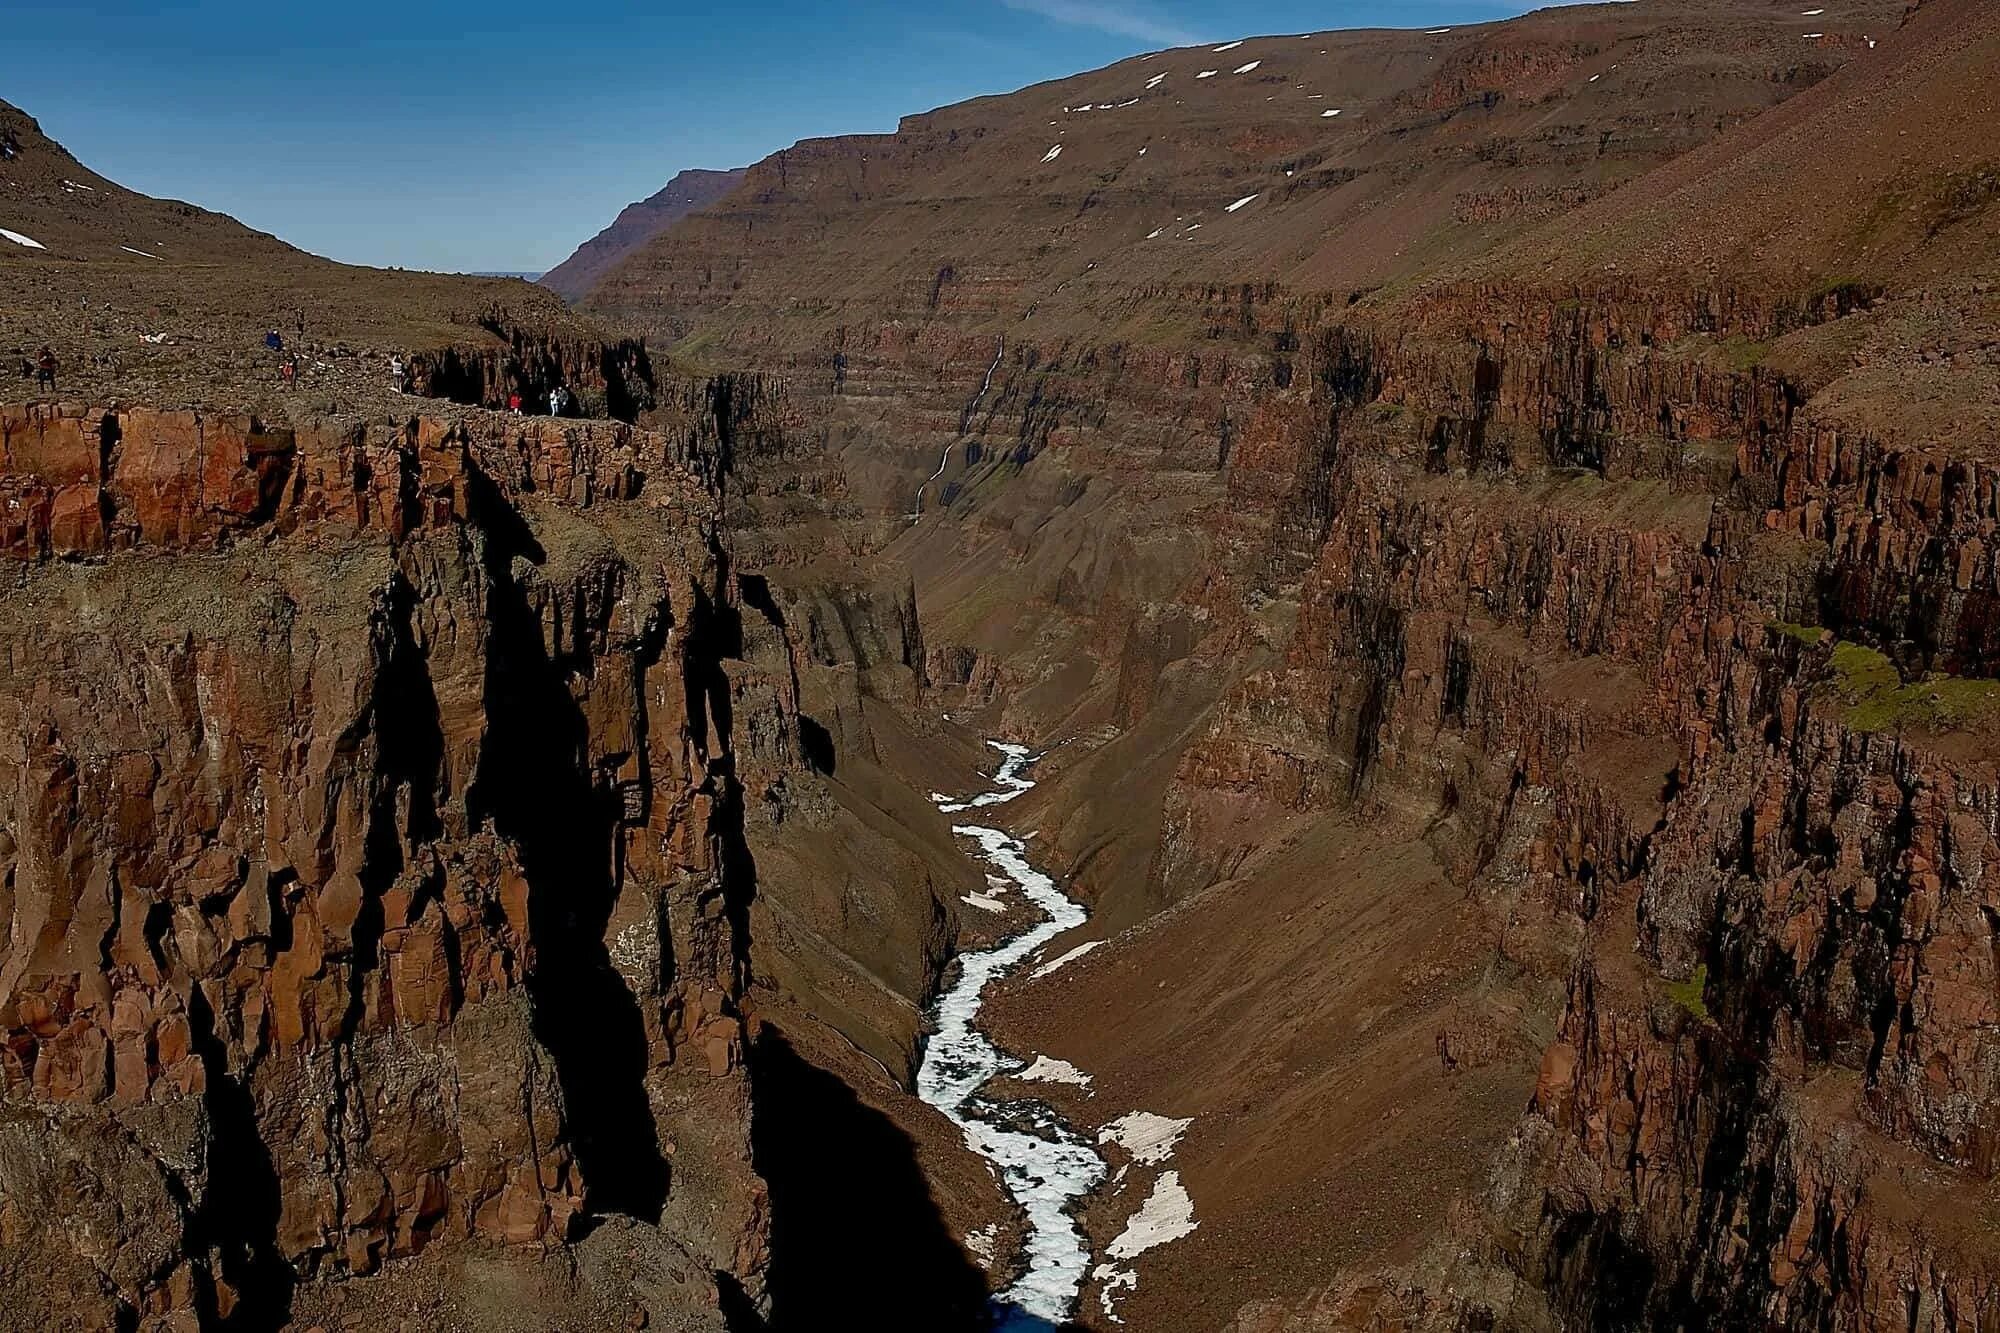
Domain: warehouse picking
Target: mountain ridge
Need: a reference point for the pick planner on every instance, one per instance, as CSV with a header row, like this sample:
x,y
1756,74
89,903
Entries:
x,y
636,224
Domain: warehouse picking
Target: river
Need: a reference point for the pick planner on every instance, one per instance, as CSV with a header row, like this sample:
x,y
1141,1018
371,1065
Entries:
x,y
1044,1163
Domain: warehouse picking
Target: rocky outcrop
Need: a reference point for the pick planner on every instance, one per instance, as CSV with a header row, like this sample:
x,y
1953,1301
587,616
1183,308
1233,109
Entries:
x,y
395,896
605,378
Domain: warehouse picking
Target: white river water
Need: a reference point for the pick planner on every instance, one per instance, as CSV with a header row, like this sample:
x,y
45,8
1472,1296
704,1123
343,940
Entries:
x,y
1045,1164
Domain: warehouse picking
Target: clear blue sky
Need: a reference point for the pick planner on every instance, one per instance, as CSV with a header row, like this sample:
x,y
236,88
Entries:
x,y
499,135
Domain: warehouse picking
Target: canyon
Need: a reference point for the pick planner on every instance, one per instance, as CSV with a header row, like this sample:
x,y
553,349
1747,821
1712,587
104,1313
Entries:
x,y
1486,536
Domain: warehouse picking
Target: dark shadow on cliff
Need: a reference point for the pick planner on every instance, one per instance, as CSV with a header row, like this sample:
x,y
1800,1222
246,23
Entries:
x,y
535,784
239,1211
855,1233
403,809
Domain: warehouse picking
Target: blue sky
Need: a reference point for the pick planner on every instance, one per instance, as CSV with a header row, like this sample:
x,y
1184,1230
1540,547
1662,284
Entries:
x,y
499,135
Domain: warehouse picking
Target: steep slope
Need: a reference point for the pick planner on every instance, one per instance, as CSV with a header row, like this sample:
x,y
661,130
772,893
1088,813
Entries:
x,y
1907,132
1361,155
1496,660
466,868
1723,864
636,224
67,210
1766,1096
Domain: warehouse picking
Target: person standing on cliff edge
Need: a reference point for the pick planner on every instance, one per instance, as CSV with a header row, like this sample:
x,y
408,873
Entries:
x,y
45,370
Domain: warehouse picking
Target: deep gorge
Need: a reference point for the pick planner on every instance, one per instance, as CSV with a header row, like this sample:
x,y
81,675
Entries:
x,y
1501,616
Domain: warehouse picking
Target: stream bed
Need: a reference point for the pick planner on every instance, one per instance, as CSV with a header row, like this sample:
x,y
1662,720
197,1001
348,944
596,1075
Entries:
x,y
1045,1164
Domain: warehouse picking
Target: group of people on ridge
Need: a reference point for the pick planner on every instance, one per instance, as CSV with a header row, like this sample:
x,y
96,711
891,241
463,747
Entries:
x,y
42,369
288,362
561,400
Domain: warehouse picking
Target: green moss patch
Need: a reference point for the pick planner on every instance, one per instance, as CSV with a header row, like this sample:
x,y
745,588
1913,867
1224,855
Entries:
x,y
1689,994
1740,353
1874,698
1810,635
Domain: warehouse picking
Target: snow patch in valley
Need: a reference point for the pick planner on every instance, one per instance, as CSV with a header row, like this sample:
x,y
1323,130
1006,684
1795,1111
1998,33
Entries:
x,y
983,902
1147,1137
1208,74
18,239
1047,1166
1052,154
1155,81
141,253
1167,1214
982,1243
1245,69
1070,957
1048,1069
1327,115
1244,202
1230,46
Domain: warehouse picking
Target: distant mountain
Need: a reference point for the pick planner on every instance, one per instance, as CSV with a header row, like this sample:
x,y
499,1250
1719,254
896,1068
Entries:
x,y
636,225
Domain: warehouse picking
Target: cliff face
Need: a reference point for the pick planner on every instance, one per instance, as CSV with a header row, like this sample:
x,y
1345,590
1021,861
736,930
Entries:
x,y
1747,852
374,857
636,224
415,813
604,377
402,822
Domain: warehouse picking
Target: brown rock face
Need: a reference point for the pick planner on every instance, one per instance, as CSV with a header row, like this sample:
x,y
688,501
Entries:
x,y
369,820
603,378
